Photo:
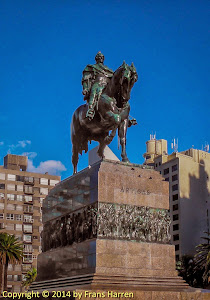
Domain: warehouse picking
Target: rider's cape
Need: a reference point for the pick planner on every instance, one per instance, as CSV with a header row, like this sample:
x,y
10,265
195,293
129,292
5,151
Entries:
x,y
90,73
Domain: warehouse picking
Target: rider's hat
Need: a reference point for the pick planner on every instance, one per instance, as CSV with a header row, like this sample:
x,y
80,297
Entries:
x,y
98,55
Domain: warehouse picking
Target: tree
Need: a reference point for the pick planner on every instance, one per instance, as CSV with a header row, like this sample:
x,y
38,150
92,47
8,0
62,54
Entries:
x,y
29,277
202,258
11,251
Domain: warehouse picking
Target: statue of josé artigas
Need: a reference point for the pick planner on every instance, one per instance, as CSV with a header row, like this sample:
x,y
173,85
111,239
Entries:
x,y
107,110
94,80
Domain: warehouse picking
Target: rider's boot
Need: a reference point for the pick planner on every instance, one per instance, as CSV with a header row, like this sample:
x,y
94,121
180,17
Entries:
x,y
90,113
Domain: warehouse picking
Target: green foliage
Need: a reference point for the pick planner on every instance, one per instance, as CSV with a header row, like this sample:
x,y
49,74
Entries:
x,y
11,251
196,270
202,258
29,277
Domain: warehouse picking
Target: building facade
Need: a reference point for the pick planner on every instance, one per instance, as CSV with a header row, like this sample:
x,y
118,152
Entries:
x,y
188,174
21,197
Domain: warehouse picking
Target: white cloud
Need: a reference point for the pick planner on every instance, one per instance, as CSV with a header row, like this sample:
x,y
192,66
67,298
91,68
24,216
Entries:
x,y
20,144
53,167
1,143
30,155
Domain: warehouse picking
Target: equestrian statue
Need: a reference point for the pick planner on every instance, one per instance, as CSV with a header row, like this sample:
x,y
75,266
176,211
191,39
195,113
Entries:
x,y
107,109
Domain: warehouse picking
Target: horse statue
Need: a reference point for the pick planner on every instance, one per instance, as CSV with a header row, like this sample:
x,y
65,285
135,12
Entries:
x,y
112,113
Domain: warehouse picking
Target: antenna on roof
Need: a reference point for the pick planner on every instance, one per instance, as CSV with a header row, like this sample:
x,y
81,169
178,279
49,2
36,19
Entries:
x,y
174,145
206,148
153,136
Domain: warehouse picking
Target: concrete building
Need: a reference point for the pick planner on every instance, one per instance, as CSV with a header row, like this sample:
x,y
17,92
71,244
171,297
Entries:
x,y
188,174
21,196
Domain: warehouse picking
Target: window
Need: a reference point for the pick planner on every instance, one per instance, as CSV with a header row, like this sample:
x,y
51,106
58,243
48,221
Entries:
x,y
10,197
26,267
28,198
9,277
166,171
17,278
27,228
177,257
34,256
10,217
28,189
43,191
175,187
28,257
175,227
174,168
19,237
11,187
10,267
19,207
29,179
27,238
175,217
159,163
1,216
28,208
17,267
27,248
177,247
10,226
167,179
1,205
20,188
53,182
19,197
2,226
1,195
18,227
44,181
174,177
175,197
175,207
10,206
28,218
176,237
18,217
2,186
11,177
2,176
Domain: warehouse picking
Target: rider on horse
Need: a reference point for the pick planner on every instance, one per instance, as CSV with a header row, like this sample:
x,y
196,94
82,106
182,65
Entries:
x,y
95,78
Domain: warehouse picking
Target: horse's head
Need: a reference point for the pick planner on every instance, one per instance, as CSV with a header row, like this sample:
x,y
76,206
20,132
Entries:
x,y
127,76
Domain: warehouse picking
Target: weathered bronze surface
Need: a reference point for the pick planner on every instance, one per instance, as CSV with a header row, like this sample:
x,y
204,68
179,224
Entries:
x,y
108,220
107,110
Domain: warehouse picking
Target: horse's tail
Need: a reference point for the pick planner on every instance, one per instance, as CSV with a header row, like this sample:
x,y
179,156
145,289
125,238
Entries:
x,y
78,139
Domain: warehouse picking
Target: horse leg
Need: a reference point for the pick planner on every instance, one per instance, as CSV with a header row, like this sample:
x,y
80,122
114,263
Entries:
x,y
101,148
108,139
122,130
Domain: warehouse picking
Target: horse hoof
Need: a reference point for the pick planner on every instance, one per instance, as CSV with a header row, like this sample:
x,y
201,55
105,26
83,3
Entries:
x,y
125,160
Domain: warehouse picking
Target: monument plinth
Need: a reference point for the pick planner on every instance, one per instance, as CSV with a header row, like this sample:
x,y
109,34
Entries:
x,y
107,227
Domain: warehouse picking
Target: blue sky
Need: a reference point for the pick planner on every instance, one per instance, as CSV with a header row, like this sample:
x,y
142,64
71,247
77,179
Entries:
x,y
45,46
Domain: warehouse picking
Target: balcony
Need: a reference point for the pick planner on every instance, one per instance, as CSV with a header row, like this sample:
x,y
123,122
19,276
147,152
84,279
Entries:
x,y
28,180
28,190
28,220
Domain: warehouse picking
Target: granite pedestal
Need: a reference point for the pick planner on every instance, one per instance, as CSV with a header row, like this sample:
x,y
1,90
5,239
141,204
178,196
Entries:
x,y
107,228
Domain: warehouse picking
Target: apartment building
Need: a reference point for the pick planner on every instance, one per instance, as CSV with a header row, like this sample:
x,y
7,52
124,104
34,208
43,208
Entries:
x,y
21,197
188,174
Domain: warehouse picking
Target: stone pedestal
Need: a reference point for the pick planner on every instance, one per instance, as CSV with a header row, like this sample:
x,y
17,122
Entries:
x,y
106,229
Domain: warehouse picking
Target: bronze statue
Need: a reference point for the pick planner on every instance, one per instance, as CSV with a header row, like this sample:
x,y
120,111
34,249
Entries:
x,y
107,94
94,80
